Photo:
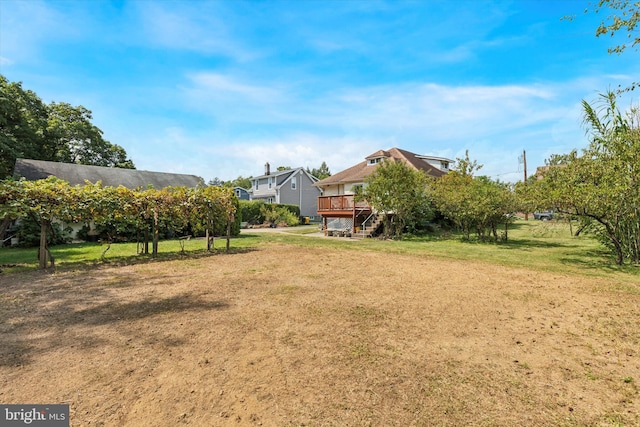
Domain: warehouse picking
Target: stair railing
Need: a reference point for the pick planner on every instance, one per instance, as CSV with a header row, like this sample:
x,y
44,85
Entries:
x,y
364,223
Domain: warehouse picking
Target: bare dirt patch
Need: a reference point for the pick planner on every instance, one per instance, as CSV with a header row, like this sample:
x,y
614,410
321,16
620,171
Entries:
x,y
289,336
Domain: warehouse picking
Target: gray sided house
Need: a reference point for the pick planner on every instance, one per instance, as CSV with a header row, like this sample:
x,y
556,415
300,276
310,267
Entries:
x,y
242,193
290,187
76,174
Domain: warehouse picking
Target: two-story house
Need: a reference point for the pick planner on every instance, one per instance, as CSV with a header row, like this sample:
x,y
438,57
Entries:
x,y
291,187
337,206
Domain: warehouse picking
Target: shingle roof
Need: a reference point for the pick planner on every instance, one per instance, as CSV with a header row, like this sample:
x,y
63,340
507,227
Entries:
x,y
359,172
76,174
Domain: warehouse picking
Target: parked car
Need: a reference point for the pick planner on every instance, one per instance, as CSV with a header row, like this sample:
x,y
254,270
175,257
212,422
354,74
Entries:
x,y
543,216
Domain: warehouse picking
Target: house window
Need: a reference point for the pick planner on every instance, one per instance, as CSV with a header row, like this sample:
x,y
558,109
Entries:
x,y
444,165
270,200
270,182
293,183
375,161
256,181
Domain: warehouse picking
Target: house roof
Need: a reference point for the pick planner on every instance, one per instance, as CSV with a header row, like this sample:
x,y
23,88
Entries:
x,y
76,174
278,174
359,172
284,176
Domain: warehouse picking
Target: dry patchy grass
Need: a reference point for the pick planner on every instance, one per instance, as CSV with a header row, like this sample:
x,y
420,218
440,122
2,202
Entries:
x,y
285,335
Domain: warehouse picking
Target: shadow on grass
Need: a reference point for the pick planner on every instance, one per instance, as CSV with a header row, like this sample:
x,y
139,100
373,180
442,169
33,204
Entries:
x,y
46,322
597,260
526,244
26,259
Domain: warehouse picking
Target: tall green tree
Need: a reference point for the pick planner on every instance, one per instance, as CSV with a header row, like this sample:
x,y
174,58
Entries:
x,y
56,132
77,140
399,193
475,204
23,125
321,173
601,187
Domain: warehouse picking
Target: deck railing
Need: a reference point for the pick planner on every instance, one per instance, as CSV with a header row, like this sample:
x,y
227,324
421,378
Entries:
x,y
343,202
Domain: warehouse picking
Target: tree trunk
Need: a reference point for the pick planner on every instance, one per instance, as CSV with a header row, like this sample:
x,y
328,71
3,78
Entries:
x,y
3,228
146,240
229,222
42,253
155,234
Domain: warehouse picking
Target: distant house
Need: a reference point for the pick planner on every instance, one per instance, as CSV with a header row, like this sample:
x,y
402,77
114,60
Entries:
x,y
76,174
241,193
341,213
291,187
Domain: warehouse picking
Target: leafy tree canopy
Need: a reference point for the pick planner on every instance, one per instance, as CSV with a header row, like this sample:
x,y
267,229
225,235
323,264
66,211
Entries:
x,y
622,16
240,181
397,189
601,187
321,173
55,132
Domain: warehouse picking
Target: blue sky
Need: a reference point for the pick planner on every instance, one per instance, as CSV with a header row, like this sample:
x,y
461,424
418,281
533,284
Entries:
x,y
218,88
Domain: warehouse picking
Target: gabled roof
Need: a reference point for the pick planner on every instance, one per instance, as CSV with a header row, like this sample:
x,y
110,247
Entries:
x,y
284,176
278,174
359,172
76,174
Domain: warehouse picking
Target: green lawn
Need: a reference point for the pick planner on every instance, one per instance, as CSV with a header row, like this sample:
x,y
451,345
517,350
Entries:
x,y
546,246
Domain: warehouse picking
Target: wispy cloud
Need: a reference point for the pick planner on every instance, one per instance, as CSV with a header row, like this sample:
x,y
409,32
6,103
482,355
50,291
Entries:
x,y
198,26
343,125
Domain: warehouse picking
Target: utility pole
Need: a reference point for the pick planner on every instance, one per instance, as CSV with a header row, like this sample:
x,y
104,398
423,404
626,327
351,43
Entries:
x,y
524,160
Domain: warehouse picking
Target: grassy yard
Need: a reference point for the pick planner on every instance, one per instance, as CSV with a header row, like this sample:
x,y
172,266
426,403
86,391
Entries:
x,y
292,329
546,246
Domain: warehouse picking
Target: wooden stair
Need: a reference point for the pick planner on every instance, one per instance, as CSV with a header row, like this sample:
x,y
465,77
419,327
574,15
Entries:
x,y
371,228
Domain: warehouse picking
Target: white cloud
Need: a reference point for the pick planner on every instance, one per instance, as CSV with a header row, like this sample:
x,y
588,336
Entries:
x,y
341,127
197,26
213,86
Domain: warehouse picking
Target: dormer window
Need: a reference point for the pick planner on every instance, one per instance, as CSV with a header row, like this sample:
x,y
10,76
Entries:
x,y
444,165
375,161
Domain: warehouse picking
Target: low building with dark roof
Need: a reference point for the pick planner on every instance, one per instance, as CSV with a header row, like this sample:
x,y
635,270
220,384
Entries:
x,y
76,174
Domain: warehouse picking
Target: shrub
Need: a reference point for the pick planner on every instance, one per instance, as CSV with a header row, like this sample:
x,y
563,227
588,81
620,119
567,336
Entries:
x,y
277,214
29,234
250,211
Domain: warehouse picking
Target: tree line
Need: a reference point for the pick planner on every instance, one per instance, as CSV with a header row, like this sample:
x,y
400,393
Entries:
x,y
473,204
115,211
58,131
321,172
598,187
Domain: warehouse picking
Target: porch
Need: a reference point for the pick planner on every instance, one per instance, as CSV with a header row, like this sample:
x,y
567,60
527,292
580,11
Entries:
x,y
342,206
343,216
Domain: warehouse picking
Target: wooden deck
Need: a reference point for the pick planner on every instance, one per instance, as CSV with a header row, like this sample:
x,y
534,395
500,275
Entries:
x,y
341,206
